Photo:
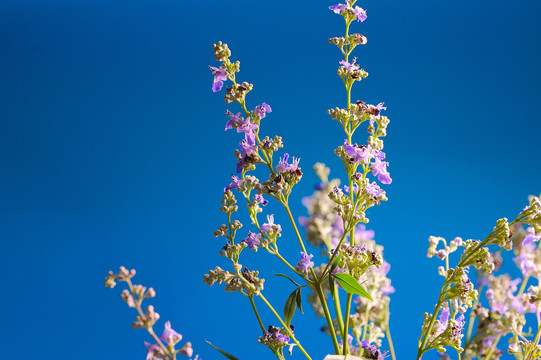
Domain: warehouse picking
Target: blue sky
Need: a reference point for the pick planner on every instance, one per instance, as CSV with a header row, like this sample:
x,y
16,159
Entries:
x,y
113,153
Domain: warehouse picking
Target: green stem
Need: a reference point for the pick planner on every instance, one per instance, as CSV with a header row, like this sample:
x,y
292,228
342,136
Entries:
x,y
389,339
365,322
425,334
299,238
328,318
346,324
257,313
523,286
287,329
338,309
317,285
472,320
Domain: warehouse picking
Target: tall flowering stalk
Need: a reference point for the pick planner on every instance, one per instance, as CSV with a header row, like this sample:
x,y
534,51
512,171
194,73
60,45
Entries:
x,y
352,261
348,262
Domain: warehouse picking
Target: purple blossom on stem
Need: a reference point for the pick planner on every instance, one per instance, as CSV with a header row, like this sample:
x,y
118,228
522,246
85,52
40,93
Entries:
x,y
376,110
526,265
359,153
248,146
373,189
282,338
379,169
498,307
258,198
304,264
234,120
283,166
268,225
444,319
246,126
362,234
350,66
338,8
235,184
529,238
152,350
252,240
262,110
360,13
170,336
219,77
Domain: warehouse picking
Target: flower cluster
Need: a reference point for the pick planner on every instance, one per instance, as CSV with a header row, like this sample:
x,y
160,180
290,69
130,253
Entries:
x,y
164,346
353,271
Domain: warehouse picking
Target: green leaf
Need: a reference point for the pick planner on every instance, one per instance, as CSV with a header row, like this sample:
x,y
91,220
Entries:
x,y
299,300
287,277
229,356
332,285
335,263
351,285
289,309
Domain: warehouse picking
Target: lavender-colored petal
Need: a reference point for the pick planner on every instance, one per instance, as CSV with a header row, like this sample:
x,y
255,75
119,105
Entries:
x,y
217,85
385,178
360,13
267,107
337,8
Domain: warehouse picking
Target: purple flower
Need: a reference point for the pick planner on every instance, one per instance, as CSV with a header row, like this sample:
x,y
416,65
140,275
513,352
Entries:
x,y
379,169
527,266
529,238
517,305
304,263
348,66
363,235
498,307
373,189
360,13
262,110
258,198
267,226
235,184
170,336
281,338
246,126
338,8
359,153
283,166
252,240
444,319
234,120
219,77
153,349
248,145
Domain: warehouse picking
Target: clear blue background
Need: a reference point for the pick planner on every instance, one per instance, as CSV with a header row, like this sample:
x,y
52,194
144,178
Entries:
x,y
112,153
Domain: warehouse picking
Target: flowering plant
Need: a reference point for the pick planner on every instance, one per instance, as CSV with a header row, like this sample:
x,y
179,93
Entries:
x,y
350,287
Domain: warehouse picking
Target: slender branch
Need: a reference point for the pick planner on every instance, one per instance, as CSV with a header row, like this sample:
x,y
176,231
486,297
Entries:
x,y
257,313
328,317
338,309
388,334
149,328
346,324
